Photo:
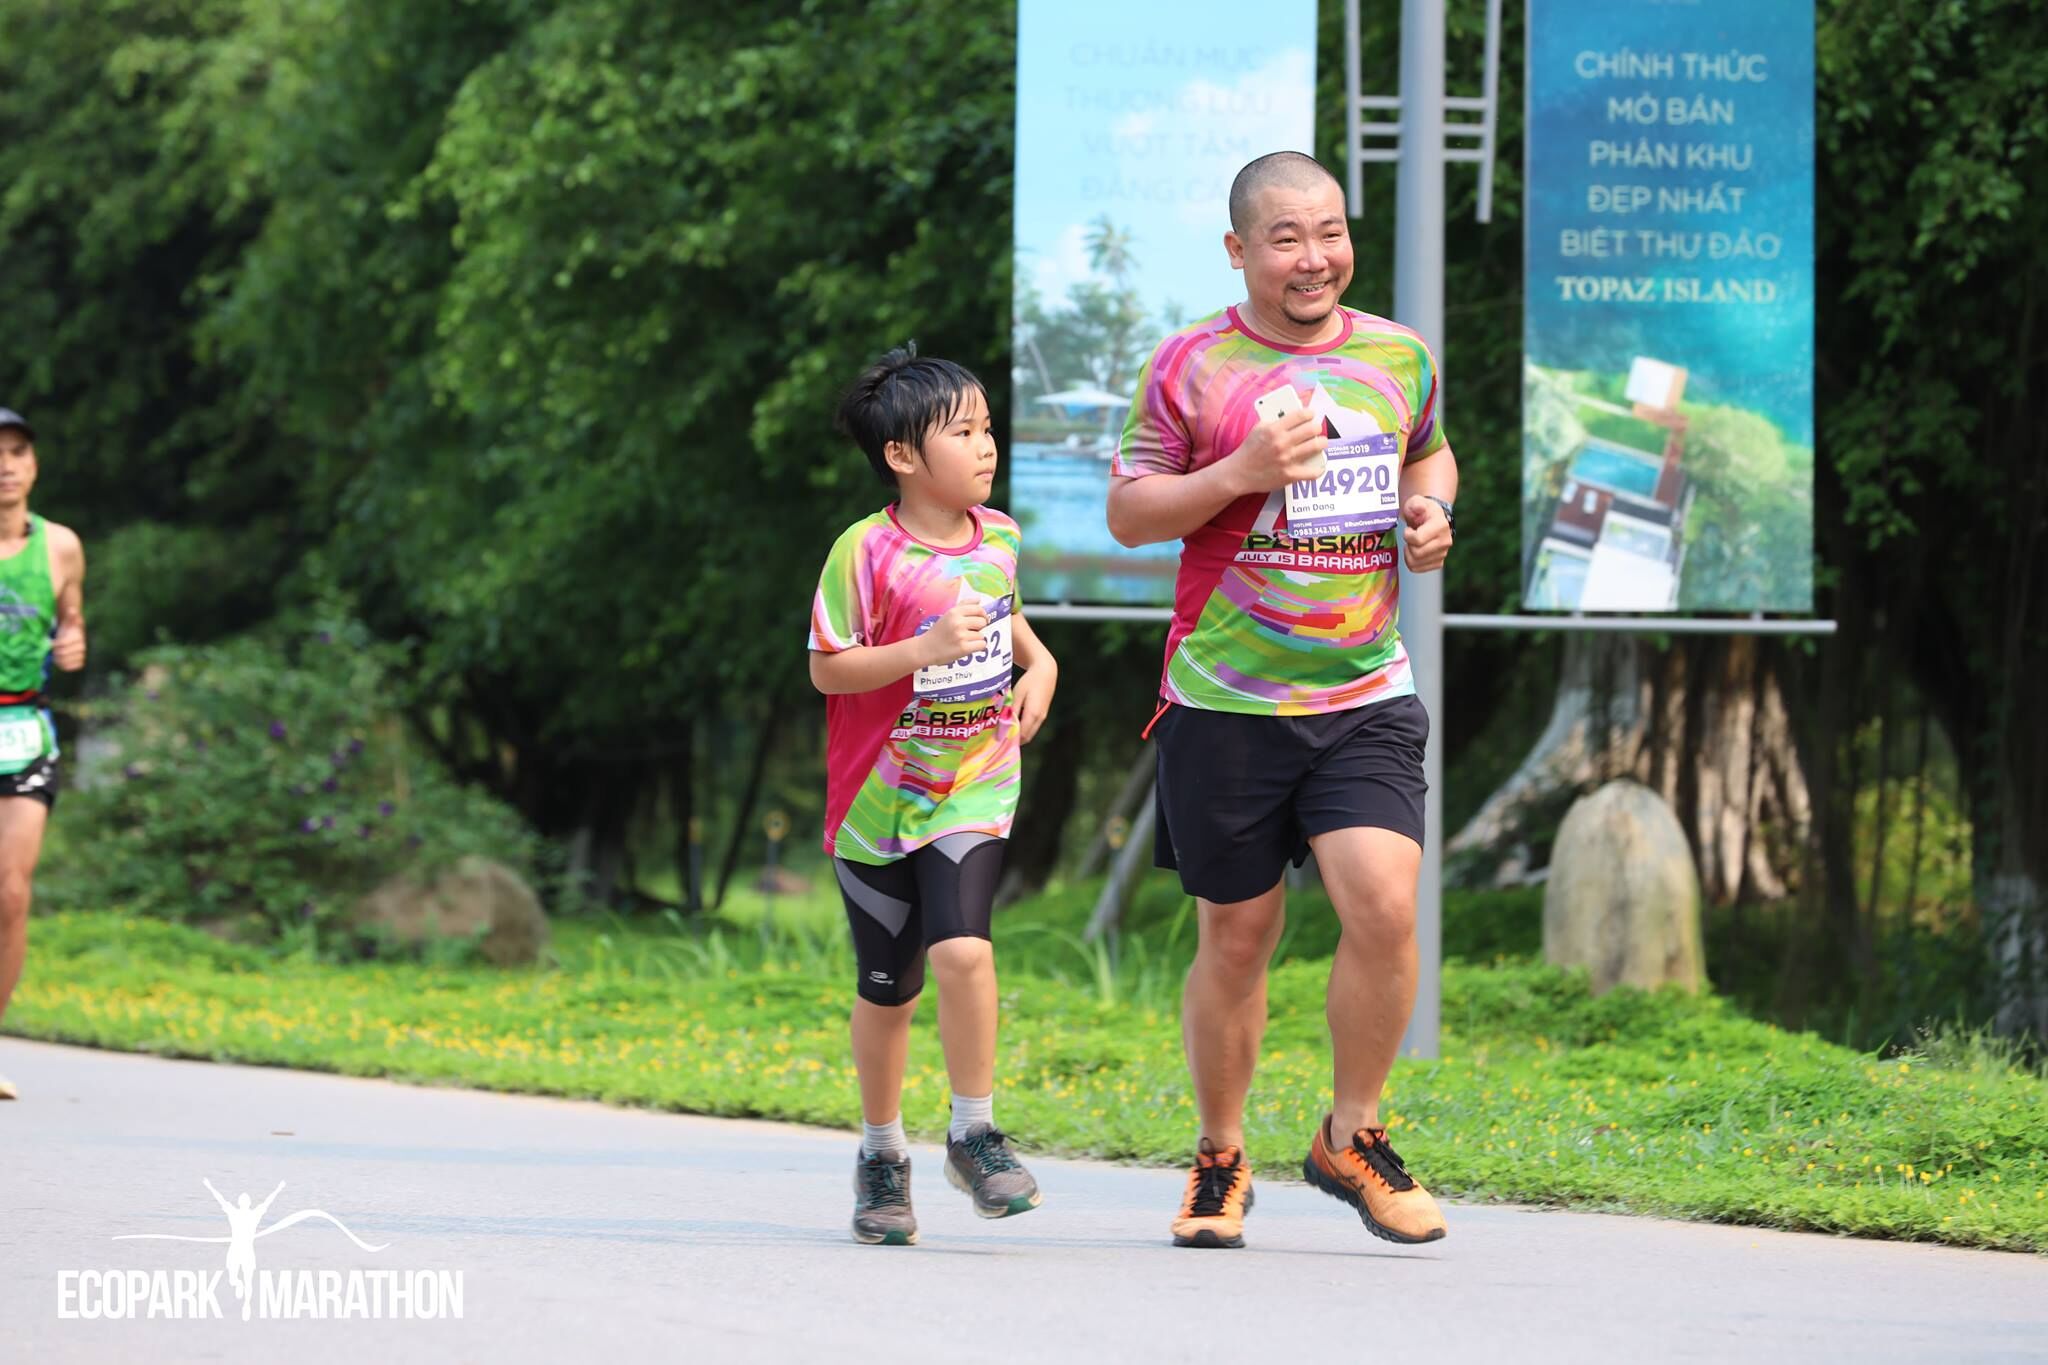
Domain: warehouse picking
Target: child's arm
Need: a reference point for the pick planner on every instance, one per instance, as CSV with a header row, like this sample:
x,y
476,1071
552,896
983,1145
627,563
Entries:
x,y
864,668
1033,694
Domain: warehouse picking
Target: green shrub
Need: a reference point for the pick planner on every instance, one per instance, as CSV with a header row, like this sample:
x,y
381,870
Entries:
x,y
269,777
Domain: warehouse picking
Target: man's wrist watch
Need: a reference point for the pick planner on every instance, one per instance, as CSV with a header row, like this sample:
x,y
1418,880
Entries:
x,y
1450,517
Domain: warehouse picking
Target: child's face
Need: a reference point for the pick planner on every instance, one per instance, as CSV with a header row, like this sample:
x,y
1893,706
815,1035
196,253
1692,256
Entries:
x,y
956,465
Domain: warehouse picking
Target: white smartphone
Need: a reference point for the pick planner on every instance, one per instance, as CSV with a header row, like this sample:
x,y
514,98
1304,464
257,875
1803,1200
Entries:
x,y
1279,403
1282,402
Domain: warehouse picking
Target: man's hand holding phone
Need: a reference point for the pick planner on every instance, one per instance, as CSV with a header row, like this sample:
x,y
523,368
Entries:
x,y
1286,444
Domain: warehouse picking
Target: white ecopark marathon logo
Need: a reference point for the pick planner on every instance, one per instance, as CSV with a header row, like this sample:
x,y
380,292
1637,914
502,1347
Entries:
x,y
288,1294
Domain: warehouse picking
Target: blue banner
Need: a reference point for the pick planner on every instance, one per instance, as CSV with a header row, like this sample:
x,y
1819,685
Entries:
x,y
1132,120
1668,324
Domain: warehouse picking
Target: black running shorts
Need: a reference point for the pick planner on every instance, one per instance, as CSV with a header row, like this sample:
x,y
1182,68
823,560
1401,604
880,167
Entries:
x,y
1239,796
946,889
38,781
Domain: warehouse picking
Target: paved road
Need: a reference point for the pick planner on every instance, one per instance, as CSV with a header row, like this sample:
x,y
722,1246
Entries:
x,y
583,1231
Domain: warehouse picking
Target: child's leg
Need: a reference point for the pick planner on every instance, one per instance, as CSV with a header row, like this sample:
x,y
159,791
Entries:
x,y
957,896
888,946
881,1049
965,969
956,882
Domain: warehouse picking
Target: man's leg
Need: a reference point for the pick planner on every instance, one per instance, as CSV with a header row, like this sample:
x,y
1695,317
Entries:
x,y
1226,824
22,821
1371,876
1363,809
1223,1010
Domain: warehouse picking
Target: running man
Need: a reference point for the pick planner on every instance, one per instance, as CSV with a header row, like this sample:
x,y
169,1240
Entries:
x,y
1285,441
42,621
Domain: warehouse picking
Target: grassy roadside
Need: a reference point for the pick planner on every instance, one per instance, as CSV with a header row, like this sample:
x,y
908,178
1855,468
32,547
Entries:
x,y
1656,1104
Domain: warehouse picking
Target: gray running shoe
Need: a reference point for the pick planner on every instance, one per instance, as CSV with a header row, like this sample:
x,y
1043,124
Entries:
x,y
881,1201
982,1165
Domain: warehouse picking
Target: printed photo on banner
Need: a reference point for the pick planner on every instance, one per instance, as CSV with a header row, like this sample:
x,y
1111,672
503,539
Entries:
x,y
1128,135
1668,377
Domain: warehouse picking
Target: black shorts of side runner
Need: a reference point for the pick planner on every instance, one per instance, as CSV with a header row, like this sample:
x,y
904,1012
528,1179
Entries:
x,y
38,781
1240,796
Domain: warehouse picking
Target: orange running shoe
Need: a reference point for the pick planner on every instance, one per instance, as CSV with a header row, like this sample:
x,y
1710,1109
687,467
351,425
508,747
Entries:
x,y
1368,1175
1219,1196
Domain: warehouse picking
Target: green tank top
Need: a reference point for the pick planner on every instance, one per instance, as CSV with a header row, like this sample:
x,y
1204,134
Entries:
x,y
28,611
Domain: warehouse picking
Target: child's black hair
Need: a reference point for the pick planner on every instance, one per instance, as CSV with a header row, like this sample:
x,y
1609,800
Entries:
x,y
901,397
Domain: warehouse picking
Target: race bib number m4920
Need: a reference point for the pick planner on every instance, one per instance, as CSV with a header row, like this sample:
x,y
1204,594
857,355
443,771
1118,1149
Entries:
x,y
1359,491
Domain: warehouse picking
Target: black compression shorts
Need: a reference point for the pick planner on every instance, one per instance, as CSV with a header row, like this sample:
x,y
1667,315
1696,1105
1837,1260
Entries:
x,y
944,890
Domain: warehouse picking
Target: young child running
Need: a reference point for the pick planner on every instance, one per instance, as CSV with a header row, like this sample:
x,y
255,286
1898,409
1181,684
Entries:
x,y
913,634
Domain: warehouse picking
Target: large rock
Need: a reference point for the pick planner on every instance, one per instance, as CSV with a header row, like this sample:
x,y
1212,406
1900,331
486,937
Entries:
x,y
474,898
1623,896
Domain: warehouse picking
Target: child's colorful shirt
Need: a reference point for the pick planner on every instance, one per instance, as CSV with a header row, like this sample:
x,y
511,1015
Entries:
x,y
935,753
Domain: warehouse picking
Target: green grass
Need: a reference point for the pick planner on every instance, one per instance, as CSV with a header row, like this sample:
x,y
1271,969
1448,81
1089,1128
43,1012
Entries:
x,y
1651,1103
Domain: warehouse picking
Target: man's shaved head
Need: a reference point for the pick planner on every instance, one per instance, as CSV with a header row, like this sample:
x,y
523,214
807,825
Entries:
x,y
1283,170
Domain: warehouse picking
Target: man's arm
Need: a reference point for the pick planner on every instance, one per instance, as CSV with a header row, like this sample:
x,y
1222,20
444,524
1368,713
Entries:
x,y
1162,507
1426,537
67,651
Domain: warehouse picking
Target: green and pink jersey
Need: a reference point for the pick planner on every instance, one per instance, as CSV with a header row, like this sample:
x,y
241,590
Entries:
x,y
1288,603
935,753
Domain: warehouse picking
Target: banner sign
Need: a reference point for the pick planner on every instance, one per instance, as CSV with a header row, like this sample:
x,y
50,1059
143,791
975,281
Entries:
x,y
1667,457
1132,119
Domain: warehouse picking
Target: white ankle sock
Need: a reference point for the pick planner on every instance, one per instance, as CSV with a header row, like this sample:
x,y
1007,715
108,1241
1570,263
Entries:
x,y
883,1137
968,1111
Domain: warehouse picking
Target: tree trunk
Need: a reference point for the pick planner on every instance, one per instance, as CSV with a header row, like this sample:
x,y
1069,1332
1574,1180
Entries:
x,y
1593,733
1703,722
1133,860
682,789
1919,817
1882,825
2010,848
1136,785
743,818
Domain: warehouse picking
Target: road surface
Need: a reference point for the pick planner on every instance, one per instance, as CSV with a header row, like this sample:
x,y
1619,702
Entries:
x,y
581,1231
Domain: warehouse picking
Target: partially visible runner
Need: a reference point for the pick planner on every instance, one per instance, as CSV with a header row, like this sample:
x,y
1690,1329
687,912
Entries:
x,y
913,634
42,621
1288,718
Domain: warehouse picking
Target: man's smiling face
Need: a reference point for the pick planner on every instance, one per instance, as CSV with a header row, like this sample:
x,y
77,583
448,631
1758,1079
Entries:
x,y
1296,257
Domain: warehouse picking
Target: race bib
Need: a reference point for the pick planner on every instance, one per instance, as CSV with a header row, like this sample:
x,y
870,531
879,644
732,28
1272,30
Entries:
x,y
23,737
984,673
1359,491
